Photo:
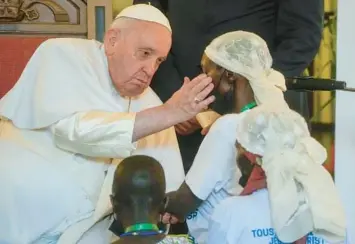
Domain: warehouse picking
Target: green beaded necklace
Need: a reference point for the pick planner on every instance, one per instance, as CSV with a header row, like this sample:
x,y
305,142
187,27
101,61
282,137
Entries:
x,y
248,107
141,227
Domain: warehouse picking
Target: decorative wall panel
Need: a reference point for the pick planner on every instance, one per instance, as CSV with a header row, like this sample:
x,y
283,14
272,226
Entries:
x,y
99,18
57,17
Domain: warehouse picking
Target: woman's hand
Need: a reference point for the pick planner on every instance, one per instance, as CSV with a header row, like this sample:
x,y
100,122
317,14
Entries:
x,y
187,127
204,131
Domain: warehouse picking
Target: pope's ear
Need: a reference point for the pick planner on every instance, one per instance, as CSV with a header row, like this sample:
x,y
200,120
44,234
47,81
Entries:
x,y
112,36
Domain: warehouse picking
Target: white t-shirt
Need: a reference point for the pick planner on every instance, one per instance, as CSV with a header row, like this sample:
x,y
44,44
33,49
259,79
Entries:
x,y
214,174
246,220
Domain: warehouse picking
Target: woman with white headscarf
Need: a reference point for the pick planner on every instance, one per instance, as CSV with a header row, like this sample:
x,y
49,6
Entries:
x,y
240,66
296,203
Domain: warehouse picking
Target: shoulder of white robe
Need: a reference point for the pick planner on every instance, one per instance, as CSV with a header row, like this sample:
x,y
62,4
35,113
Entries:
x,y
73,57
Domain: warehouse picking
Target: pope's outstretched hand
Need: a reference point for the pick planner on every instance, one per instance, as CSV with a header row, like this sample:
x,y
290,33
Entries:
x,y
193,97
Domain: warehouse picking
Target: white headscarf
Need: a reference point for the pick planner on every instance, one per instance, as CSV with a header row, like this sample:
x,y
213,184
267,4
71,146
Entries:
x,y
247,54
302,194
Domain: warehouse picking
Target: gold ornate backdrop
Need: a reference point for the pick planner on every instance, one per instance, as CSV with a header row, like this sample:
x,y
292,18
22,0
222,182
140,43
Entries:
x,y
118,5
324,66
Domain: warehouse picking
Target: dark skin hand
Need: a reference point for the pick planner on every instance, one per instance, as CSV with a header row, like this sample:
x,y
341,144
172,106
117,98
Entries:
x,y
187,127
180,203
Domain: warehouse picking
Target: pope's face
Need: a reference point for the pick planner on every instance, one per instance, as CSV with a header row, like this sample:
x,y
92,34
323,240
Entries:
x,y
134,54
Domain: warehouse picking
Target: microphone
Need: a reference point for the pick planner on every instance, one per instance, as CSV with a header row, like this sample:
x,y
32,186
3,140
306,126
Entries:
x,y
314,84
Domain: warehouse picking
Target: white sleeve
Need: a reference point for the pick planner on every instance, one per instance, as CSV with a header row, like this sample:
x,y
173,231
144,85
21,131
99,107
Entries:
x,y
216,158
96,134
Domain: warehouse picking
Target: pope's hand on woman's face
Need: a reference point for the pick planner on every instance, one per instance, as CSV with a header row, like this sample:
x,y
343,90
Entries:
x,y
192,98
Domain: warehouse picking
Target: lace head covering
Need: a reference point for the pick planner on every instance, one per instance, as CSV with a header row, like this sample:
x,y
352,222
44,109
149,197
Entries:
x,y
247,54
302,194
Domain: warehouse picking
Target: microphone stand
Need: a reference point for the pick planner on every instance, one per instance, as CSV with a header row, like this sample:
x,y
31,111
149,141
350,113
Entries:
x,y
349,89
311,84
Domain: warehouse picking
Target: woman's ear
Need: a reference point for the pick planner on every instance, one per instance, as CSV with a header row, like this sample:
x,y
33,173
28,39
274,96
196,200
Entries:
x,y
233,76
230,76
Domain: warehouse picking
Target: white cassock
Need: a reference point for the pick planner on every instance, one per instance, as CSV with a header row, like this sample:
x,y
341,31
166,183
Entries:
x,y
247,219
214,174
64,128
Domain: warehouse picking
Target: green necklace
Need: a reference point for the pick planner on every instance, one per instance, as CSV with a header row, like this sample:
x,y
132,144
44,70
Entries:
x,y
248,107
142,227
